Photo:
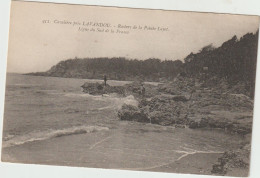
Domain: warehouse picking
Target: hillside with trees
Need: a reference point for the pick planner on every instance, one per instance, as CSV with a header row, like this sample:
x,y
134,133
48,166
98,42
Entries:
x,y
115,68
234,62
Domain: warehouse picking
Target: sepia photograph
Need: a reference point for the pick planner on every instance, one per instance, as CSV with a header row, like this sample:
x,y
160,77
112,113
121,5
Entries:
x,y
130,89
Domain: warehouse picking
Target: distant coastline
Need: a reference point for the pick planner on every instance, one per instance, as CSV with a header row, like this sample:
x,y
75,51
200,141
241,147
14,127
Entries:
x,y
234,62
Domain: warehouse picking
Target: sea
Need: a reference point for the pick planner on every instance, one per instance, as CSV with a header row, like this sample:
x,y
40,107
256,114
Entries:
x,y
49,120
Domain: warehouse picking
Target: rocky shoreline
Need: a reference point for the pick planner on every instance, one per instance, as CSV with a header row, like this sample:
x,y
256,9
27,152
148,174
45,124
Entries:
x,y
187,103
233,162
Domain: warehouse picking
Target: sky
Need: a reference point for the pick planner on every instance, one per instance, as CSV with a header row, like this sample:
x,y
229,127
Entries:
x,y
41,34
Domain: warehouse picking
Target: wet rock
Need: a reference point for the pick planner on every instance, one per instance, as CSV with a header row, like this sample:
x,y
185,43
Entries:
x,y
198,123
160,109
99,89
180,98
161,118
180,85
193,125
132,113
164,110
179,126
135,88
233,159
71,110
93,88
218,169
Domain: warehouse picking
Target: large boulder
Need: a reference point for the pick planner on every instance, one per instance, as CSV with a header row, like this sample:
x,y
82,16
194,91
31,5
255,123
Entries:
x,y
165,109
160,109
93,88
101,88
132,113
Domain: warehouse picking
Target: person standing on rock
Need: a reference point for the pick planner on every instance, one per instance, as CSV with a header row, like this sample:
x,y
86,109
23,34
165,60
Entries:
x,y
105,80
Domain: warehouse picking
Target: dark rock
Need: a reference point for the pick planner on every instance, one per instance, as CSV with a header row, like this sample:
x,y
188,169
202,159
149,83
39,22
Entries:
x,y
132,113
218,169
193,125
179,126
180,98
101,88
232,159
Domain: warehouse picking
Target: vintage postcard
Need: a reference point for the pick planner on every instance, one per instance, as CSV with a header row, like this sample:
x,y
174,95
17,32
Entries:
x,y
130,89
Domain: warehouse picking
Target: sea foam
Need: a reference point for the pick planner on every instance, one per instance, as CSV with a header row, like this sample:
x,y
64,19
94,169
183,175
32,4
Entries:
x,y
44,135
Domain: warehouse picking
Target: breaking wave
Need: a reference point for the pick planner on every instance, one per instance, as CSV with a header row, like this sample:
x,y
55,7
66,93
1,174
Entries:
x,y
45,135
113,100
